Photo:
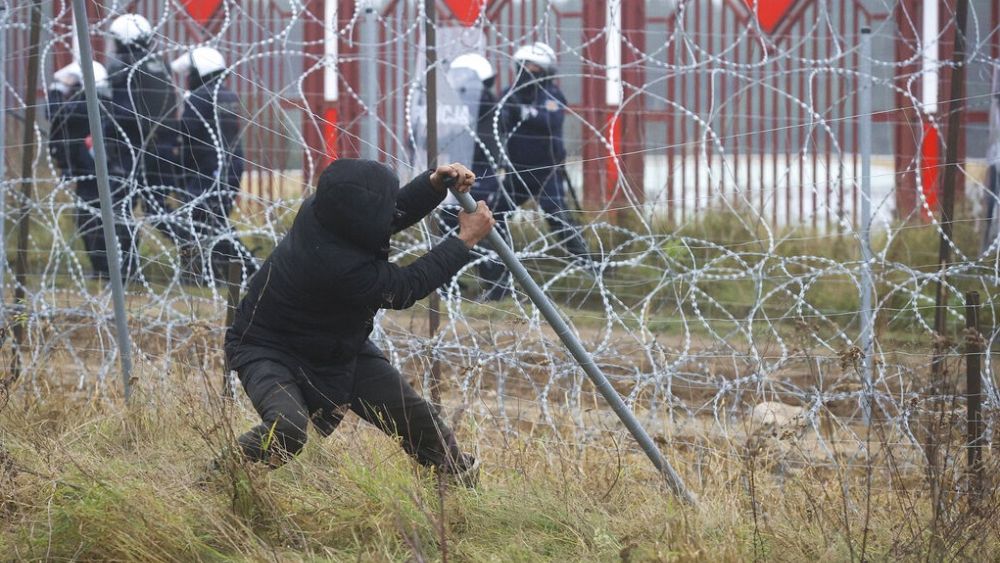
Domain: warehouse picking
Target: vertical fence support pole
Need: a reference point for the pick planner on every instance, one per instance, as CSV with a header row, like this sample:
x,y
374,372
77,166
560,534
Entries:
x,y
3,161
865,139
27,156
956,112
974,392
368,50
232,300
104,190
430,82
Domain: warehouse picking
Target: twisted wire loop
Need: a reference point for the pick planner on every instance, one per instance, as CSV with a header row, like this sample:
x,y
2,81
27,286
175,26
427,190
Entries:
x,y
714,311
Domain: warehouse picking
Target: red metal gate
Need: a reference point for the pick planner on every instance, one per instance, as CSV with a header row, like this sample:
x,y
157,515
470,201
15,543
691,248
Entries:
x,y
775,160
714,110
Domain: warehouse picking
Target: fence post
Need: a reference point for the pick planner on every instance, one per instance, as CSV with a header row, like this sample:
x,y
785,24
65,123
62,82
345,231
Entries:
x,y
594,52
632,42
430,83
974,392
104,189
3,160
232,300
27,156
369,66
864,134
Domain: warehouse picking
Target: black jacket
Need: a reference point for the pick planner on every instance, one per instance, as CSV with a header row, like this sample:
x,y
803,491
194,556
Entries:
x,y
68,131
532,123
486,156
143,108
313,302
209,147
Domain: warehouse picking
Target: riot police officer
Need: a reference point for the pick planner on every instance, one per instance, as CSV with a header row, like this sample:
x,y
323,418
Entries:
x,y
532,115
210,155
143,128
69,130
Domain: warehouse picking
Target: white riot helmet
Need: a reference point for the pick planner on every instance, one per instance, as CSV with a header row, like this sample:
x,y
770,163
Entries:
x,y
70,77
476,63
204,61
538,53
131,29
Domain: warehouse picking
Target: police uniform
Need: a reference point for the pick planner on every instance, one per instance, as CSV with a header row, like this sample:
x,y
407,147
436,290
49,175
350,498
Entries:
x,y
210,155
532,118
68,130
487,152
472,75
141,134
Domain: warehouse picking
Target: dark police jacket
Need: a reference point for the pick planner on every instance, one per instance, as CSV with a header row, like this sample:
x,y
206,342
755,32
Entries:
x,y
313,302
532,122
143,108
486,156
68,131
209,147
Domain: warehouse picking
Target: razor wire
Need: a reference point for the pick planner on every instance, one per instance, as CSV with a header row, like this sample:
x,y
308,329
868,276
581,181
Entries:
x,y
698,330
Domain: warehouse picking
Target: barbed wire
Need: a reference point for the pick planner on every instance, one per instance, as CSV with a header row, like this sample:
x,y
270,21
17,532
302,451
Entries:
x,y
696,320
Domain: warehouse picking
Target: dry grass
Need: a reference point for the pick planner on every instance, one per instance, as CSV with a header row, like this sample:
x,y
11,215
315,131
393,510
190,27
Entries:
x,y
89,480
83,478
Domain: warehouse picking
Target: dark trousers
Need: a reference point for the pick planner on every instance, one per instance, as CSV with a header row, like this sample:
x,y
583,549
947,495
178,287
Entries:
x,y
213,239
90,227
125,225
287,401
148,183
156,178
546,186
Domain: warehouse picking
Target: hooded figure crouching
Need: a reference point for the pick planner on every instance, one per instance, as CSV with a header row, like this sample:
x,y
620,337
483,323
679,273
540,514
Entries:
x,y
300,338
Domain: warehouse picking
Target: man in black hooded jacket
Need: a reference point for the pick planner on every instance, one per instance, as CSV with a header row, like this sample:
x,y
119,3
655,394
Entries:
x,y
299,340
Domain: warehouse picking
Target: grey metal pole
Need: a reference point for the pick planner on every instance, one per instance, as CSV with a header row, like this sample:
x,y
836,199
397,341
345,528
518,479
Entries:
x,y
430,80
865,138
104,190
233,273
430,83
582,357
369,80
3,160
973,393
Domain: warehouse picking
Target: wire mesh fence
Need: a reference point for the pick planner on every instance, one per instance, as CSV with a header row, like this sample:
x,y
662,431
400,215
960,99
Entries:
x,y
712,166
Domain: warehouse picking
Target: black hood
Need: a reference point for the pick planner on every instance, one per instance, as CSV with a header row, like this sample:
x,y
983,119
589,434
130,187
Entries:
x,y
356,200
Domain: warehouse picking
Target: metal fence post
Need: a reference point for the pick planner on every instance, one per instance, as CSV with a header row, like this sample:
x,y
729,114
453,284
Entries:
x,y
233,272
369,80
865,140
974,392
430,83
104,189
3,161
